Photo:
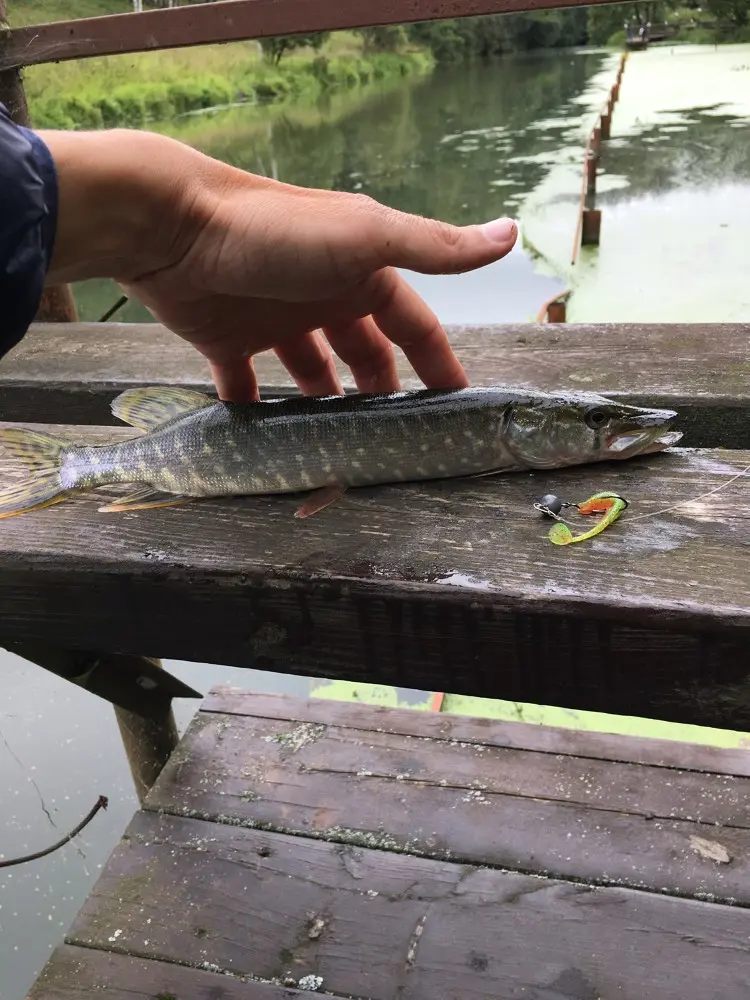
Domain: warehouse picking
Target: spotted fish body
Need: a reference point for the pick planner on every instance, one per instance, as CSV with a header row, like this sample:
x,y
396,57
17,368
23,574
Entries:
x,y
195,446
300,444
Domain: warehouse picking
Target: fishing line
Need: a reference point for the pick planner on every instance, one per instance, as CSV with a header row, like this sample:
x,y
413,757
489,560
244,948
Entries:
x,y
717,489
611,506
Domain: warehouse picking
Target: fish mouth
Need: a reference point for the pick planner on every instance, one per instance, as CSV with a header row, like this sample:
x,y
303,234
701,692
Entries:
x,y
642,442
644,432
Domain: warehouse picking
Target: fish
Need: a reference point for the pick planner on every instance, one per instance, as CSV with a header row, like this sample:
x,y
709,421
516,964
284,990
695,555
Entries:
x,y
193,445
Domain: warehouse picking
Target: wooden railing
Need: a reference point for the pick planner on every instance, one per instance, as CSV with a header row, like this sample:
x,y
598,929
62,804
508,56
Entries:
x,y
234,21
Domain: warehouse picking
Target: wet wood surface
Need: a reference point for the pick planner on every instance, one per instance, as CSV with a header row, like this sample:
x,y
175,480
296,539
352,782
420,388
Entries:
x,y
485,731
606,822
444,586
217,891
79,973
70,374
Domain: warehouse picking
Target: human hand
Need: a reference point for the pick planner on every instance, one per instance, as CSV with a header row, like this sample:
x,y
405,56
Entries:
x,y
237,264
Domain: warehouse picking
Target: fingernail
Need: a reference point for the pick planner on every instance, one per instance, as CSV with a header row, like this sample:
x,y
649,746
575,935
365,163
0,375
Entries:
x,y
500,230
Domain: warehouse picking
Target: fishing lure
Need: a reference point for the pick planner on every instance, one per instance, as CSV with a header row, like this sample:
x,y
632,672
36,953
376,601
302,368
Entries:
x,y
611,505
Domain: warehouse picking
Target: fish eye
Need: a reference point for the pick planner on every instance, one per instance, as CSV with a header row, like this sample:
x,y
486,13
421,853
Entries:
x,y
596,419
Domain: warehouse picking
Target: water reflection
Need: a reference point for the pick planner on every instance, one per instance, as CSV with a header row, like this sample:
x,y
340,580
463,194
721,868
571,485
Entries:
x,y
467,145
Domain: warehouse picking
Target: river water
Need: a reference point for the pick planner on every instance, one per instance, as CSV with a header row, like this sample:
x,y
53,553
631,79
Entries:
x,y
467,145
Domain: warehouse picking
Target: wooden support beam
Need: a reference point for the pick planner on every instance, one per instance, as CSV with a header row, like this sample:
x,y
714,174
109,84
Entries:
x,y
134,683
11,87
57,306
234,20
591,229
141,692
149,741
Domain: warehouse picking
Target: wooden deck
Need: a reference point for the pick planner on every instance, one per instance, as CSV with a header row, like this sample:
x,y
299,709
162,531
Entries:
x,y
400,854
387,853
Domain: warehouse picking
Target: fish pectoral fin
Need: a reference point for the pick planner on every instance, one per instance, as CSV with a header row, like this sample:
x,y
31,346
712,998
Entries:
x,y
319,499
145,499
152,406
496,472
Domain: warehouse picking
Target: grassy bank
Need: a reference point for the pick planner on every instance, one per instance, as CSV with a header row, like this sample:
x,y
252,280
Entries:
x,y
41,11
135,89
132,90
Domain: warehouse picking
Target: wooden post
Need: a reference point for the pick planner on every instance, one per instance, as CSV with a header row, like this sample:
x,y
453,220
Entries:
x,y
591,228
591,165
556,312
596,141
57,304
148,740
606,124
615,94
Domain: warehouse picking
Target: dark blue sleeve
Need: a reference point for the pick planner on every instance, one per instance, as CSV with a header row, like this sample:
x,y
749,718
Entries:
x,y
28,222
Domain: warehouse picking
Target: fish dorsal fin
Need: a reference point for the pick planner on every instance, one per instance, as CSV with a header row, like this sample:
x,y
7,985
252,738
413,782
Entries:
x,y
153,406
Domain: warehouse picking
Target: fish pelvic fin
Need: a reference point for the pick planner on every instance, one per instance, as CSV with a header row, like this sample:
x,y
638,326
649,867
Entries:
x,y
150,407
145,499
320,499
42,454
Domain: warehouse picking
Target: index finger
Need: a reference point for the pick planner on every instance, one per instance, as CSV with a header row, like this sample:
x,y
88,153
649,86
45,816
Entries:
x,y
235,381
407,320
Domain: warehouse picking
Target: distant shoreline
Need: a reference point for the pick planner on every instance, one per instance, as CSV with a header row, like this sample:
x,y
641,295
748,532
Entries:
x,y
107,93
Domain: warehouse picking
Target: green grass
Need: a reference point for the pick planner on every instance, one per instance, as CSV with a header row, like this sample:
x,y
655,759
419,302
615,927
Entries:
x,y
132,90
41,11
150,86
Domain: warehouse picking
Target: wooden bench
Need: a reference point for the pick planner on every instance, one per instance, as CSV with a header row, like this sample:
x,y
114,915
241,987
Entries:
x,y
359,852
450,586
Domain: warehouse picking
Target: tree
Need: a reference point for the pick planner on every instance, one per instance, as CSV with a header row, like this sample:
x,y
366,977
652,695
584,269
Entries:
x,y
736,12
274,49
387,38
606,19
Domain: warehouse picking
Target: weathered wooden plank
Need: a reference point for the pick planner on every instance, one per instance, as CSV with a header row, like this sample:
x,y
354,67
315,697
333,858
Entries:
x,y
79,973
598,822
448,586
222,745
237,21
71,374
378,925
481,731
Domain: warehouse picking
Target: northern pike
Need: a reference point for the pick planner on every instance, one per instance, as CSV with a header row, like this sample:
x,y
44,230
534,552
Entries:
x,y
197,446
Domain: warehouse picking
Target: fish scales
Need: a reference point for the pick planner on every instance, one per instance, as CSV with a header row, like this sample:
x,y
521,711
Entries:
x,y
296,444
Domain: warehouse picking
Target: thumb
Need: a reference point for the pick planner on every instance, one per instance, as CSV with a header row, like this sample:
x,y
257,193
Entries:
x,y
433,247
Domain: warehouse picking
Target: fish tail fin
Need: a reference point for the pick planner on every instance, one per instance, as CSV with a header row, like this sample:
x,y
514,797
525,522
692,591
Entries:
x,y
42,454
